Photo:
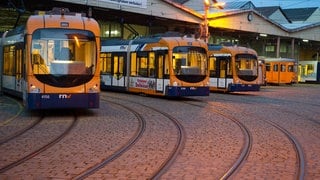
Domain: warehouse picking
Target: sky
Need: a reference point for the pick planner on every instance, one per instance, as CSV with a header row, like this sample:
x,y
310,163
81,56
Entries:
x,y
284,4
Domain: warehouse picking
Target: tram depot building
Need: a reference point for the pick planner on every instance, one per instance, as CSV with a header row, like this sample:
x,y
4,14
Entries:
x,y
271,31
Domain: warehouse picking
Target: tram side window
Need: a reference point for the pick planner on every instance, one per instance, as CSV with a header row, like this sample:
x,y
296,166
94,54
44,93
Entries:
x,y
133,70
8,63
290,68
212,66
268,67
160,66
275,67
166,66
283,68
142,66
105,62
145,65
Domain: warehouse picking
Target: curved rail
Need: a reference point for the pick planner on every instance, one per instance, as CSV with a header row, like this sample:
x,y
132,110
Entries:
x,y
297,147
179,144
20,132
124,148
40,150
15,116
246,146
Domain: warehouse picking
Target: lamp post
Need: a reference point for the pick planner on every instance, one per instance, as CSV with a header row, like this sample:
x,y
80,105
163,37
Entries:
x,y
206,4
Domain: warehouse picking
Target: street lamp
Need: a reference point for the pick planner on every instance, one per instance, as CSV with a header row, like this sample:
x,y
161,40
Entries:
x,y
207,5
206,9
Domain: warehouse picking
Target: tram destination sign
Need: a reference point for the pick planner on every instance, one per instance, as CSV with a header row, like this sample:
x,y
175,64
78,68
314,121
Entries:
x,y
133,3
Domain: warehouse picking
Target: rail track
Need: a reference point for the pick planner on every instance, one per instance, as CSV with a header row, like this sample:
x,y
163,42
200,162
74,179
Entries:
x,y
245,150
39,150
300,167
138,134
163,167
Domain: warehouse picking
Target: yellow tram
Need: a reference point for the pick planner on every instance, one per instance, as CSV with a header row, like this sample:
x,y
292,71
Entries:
x,y
53,61
233,69
164,65
280,70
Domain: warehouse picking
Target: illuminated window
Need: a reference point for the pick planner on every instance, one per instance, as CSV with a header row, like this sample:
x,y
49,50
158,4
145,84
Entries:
x,y
110,29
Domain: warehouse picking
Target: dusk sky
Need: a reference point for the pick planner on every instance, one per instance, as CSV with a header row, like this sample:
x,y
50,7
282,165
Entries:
x,y
285,4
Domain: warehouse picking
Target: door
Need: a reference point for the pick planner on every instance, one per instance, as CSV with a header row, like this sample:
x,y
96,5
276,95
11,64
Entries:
x,y
118,69
222,69
160,69
18,68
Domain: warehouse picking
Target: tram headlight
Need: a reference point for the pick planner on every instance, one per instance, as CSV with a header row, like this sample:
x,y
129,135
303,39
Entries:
x,y
175,83
94,89
34,89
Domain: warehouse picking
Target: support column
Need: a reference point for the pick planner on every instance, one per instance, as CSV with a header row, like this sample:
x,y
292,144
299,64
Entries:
x,y
292,48
278,47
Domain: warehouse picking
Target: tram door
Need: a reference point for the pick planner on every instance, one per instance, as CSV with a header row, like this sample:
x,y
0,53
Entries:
x,y
118,69
18,67
222,70
160,59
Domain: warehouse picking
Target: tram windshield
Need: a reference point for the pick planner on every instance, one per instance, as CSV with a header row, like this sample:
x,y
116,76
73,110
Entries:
x,y
63,52
246,66
189,61
63,57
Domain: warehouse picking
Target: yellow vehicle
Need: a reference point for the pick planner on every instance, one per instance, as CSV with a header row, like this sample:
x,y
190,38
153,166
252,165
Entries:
x,y
309,71
233,69
165,65
53,62
280,70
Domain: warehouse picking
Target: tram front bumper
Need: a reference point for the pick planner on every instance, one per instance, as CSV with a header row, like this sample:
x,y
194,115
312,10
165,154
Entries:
x,y
176,91
243,87
57,101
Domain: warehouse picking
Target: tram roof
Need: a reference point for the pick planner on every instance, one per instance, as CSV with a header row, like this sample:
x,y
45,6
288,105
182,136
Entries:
x,y
140,40
268,59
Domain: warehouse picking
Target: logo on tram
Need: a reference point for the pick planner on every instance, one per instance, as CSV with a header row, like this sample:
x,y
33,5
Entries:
x,y
64,96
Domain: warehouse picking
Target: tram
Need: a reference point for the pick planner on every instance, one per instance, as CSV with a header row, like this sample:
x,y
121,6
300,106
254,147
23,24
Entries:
x,y
163,65
280,70
53,61
309,71
233,69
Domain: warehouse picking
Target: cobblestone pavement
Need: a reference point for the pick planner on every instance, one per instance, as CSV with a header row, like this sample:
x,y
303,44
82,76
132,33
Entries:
x,y
277,121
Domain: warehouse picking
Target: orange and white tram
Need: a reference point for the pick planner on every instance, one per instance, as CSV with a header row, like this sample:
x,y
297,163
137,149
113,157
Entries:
x,y
233,69
280,70
159,65
53,62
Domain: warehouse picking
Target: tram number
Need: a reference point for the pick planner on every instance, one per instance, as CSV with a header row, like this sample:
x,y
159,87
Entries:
x,y
45,96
